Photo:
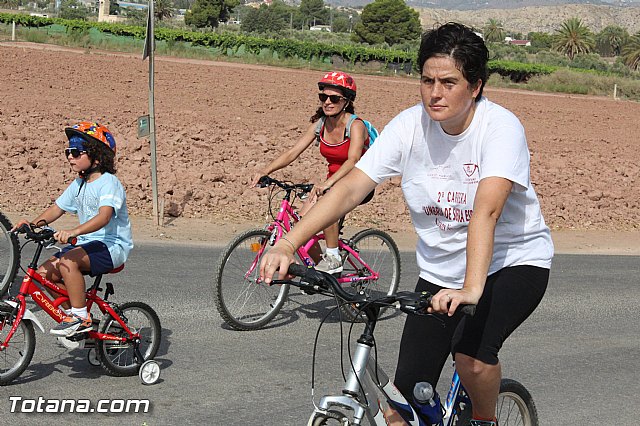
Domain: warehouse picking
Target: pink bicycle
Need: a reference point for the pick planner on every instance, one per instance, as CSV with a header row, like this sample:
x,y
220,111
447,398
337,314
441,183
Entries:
x,y
246,303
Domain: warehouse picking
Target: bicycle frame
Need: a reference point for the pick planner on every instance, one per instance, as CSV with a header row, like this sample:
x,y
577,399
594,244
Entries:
x,y
30,287
282,225
367,381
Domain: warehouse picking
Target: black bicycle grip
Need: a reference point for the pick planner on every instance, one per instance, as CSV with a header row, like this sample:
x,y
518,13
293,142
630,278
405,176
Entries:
x,y
298,270
468,309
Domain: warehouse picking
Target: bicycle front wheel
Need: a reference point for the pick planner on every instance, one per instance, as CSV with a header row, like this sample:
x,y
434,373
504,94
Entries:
x,y
331,417
243,300
9,255
515,405
123,358
378,250
15,358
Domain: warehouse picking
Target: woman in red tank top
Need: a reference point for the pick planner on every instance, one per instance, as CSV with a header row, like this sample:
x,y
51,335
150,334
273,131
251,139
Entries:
x,y
337,94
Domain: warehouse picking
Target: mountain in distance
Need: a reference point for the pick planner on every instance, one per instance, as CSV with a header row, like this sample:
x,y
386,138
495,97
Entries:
x,y
487,4
534,16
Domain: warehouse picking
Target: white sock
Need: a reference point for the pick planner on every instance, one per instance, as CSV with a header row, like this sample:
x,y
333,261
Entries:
x,y
66,311
333,252
80,312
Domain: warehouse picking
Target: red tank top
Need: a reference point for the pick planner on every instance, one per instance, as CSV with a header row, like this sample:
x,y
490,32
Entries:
x,y
337,154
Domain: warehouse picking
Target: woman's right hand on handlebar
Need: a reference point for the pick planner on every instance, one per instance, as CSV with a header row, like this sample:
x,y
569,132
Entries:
x,y
278,258
255,178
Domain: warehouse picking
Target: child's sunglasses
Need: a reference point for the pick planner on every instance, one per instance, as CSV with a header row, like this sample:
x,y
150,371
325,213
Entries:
x,y
74,152
333,98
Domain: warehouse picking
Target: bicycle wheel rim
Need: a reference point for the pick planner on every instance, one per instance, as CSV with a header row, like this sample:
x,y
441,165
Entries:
x,y
380,253
8,255
121,356
512,410
15,357
243,300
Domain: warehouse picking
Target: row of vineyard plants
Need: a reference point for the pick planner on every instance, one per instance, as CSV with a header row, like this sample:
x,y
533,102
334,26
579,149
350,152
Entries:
x,y
284,48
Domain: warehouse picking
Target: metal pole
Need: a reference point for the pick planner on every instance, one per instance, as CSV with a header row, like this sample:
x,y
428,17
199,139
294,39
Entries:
x,y
152,117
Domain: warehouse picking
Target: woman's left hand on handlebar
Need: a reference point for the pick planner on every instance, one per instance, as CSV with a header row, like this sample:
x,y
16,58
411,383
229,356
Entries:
x,y
447,300
278,258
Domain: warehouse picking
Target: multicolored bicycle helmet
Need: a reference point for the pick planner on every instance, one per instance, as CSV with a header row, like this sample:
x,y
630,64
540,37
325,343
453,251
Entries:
x,y
92,131
340,80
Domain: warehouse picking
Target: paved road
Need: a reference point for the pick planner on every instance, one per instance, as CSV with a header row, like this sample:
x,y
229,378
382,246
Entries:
x,y
579,354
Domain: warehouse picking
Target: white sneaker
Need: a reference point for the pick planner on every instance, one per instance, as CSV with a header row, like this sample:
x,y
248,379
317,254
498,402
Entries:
x,y
329,264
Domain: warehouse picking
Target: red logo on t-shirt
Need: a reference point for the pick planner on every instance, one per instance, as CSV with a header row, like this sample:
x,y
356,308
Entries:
x,y
470,169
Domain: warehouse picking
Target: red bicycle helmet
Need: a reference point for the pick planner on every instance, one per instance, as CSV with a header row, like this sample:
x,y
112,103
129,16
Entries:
x,y
92,131
340,80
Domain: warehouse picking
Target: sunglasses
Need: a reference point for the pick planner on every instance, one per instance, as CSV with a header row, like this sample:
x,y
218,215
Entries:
x,y
333,98
74,152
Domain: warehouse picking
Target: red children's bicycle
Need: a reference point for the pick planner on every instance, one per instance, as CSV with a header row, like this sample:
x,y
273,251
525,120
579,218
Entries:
x,y
123,343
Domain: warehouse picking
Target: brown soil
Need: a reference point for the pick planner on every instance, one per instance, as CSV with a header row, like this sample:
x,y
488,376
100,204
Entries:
x,y
216,122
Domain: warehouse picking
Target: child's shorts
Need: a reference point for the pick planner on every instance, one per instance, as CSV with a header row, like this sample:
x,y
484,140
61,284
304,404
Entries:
x,y
99,257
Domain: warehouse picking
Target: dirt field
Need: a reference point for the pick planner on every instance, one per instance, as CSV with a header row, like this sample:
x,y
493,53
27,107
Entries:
x,y
217,121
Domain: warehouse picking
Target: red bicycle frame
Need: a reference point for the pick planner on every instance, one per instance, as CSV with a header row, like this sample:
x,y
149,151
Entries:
x,y
51,307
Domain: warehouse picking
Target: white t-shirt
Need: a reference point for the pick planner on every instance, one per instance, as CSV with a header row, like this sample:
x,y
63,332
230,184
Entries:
x,y
86,201
440,176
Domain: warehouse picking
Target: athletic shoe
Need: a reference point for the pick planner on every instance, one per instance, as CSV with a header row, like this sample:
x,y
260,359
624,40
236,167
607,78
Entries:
x,y
483,423
71,325
329,264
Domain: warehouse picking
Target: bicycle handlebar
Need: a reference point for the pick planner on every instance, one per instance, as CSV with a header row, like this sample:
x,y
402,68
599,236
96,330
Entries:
x,y
410,302
41,234
302,187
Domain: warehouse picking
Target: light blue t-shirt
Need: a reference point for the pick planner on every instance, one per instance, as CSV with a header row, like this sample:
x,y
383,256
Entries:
x,y
85,201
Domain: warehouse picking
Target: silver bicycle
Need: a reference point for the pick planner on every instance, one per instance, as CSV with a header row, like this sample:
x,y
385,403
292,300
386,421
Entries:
x,y
368,393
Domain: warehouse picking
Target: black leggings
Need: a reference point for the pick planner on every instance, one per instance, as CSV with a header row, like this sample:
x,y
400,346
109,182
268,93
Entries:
x,y
510,296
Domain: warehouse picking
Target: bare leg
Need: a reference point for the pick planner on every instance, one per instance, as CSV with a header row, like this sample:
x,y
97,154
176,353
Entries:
x,y
70,267
50,271
482,382
331,235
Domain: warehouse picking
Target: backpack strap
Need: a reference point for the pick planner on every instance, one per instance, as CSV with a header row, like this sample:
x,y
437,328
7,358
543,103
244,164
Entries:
x,y
347,130
319,129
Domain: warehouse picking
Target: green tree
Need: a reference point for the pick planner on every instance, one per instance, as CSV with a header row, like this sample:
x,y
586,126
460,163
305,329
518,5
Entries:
x,y
263,19
493,31
209,13
631,52
610,40
387,21
573,37
540,40
163,9
314,12
72,9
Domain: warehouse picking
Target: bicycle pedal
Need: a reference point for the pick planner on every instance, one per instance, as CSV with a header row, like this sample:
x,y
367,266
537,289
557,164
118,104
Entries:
x,y
70,344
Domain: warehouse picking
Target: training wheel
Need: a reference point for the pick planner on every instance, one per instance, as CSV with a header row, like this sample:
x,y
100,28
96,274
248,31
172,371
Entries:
x,y
149,372
92,357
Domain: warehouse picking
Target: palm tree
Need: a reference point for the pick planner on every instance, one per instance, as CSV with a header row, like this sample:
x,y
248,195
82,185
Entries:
x,y
631,52
611,39
494,31
163,9
573,38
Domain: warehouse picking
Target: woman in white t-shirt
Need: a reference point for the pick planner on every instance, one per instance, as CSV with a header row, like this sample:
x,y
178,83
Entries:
x,y
464,164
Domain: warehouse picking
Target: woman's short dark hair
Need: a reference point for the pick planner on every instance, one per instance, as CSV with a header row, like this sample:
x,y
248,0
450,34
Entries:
x,y
98,151
461,44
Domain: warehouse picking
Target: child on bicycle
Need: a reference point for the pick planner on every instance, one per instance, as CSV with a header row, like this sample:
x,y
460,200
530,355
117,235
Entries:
x,y
337,94
104,232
